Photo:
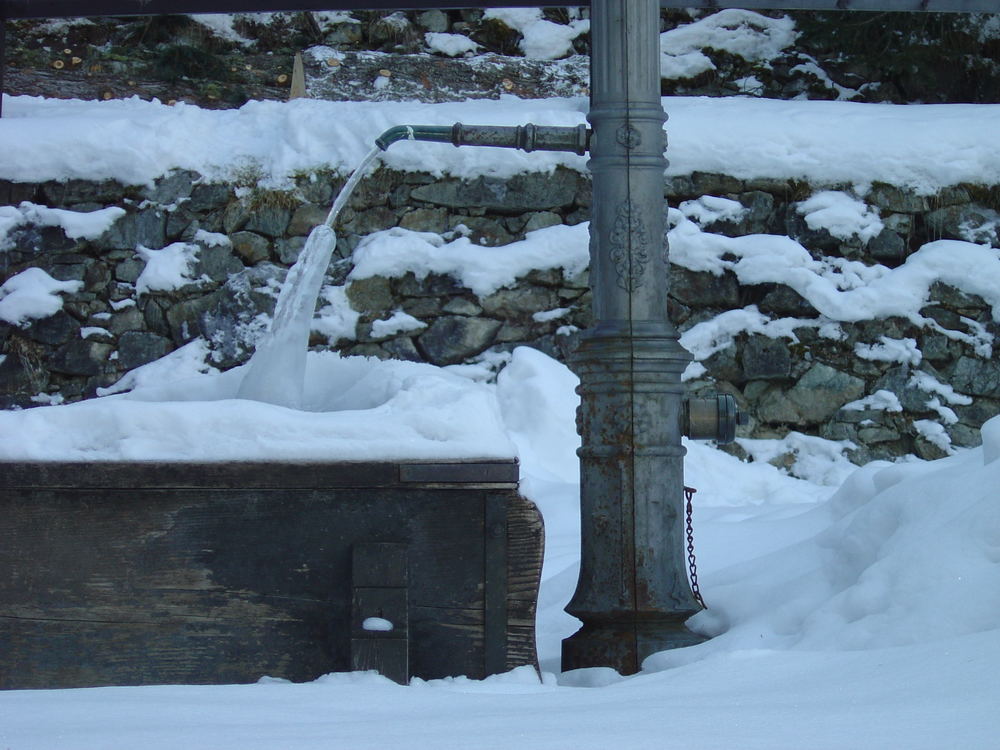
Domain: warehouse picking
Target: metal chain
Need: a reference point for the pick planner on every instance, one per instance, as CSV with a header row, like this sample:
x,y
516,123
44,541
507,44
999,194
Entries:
x,y
692,562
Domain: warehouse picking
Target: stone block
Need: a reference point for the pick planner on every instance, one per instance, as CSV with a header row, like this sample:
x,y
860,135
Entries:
x,y
822,390
955,299
250,246
288,250
129,270
711,183
268,219
519,302
371,295
54,330
73,192
235,216
433,20
373,220
484,230
147,227
402,347
775,407
80,357
786,301
171,188
888,247
541,220
877,434
723,365
129,319
765,358
154,316
425,220
209,197
703,289
218,262
184,317
136,348
896,199
526,192
422,307
970,222
452,339
838,431
306,218
182,223
461,306
936,347
432,285
979,377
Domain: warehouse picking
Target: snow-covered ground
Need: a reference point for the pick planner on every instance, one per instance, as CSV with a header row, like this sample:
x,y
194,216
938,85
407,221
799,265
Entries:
x,y
849,608
856,609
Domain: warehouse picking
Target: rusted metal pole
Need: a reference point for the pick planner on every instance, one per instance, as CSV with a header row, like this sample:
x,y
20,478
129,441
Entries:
x,y
633,595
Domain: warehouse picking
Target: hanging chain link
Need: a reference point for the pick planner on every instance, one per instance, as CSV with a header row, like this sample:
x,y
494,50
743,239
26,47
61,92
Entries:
x,y
692,562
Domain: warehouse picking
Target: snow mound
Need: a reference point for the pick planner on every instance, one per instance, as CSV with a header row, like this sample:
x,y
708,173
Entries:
x,y
908,554
355,409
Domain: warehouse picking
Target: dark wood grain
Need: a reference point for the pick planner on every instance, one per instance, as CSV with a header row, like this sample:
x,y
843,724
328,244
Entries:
x,y
164,576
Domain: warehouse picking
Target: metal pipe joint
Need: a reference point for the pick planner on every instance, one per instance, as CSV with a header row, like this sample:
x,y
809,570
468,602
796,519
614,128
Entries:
x,y
525,137
714,418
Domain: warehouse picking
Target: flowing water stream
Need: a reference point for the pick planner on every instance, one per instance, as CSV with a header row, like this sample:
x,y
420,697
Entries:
x,y
276,371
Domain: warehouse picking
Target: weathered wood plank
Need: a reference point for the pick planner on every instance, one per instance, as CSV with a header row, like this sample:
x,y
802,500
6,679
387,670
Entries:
x,y
495,576
251,474
149,584
525,550
451,641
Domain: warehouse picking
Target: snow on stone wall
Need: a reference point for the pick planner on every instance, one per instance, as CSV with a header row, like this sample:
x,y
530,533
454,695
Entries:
x,y
805,303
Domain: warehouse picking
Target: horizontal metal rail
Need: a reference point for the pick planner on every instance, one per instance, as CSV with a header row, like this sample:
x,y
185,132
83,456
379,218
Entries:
x,y
12,9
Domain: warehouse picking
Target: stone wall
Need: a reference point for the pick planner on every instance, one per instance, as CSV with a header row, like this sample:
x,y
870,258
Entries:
x,y
237,241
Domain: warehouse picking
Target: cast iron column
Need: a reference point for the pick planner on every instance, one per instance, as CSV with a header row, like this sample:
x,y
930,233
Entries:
x,y
633,595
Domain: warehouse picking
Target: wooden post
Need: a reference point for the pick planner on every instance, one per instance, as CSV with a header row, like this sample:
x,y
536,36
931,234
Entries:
x,y
380,617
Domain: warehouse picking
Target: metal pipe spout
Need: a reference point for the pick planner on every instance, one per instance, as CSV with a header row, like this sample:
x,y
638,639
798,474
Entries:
x,y
524,137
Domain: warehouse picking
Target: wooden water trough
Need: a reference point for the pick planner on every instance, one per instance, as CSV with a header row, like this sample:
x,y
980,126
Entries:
x,y
154,573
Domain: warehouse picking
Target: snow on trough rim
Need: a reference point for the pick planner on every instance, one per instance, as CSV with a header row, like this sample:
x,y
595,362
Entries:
x,y
355,409
923,147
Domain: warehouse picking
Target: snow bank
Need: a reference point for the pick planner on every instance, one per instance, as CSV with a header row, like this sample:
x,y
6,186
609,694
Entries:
x,y
924,147
355,409
909,554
